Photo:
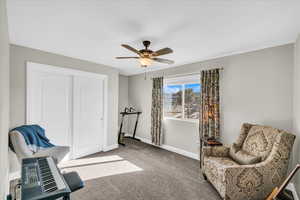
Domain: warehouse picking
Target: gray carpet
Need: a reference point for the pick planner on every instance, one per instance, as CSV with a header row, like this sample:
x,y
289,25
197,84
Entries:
x,y
165,176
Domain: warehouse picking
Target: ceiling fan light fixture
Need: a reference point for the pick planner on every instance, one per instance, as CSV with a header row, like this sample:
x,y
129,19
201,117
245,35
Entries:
x,y
146,56
146,61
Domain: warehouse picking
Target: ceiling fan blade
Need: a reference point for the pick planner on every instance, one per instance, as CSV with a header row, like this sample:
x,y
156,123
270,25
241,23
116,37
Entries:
x,y
163,51
130,48
127,57
162,60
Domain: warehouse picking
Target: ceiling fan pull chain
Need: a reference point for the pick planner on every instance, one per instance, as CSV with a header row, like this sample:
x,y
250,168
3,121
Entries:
x,y
145,74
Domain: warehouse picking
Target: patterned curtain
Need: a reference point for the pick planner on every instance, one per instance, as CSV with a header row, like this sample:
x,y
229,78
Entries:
x,y
157,110
209,120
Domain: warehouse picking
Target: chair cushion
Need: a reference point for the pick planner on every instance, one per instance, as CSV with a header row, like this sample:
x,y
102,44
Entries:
x,y
242,157
220,161
260,140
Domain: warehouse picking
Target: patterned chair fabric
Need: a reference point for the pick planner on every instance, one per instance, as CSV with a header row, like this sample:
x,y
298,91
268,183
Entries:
x,y
244,182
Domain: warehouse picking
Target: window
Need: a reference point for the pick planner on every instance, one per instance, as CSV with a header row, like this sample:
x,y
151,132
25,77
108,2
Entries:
x,y
173,101
182,98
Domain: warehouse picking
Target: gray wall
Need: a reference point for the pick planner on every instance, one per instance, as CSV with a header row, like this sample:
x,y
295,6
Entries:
x,y
296,109
256,87
4,99
123,99
18,57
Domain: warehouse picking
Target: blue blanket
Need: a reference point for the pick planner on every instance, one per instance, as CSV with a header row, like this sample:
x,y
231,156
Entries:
x,y
34,136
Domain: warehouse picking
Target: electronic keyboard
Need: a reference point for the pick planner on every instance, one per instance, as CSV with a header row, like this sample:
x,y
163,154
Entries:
x,y
41,179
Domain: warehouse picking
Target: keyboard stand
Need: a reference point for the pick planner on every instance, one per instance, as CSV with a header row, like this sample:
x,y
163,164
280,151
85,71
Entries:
x,y
14,190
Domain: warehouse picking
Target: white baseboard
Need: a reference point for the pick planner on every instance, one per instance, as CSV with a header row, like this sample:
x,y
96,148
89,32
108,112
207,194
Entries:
x,y
145,140
172,149
181,152
110,147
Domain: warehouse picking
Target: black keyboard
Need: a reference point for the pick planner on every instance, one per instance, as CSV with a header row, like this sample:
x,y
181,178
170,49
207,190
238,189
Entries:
x,y
41,179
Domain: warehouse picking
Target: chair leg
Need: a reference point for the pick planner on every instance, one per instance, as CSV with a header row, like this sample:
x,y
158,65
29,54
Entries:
x,y
204,176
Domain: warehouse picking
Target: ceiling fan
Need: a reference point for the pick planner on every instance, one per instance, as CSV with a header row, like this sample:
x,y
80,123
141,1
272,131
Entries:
x,y
147,56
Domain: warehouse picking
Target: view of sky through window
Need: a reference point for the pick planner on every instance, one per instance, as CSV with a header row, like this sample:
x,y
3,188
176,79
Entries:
x,y
173,101
182,101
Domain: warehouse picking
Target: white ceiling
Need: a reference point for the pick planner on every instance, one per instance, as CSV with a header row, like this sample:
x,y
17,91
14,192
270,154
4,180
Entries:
x,y
195,29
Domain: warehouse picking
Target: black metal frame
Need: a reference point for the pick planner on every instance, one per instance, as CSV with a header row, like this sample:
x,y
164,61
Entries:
x,y
135,127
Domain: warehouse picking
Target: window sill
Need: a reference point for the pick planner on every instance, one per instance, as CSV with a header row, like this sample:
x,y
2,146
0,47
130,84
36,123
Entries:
x,y
195,121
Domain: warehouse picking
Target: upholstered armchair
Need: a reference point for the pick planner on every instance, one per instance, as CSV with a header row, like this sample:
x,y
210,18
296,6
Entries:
x,y
22,151
236,181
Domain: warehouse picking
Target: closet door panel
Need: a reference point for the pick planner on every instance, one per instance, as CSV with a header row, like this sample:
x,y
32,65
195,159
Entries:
x,y
56,105
88,116
50,105
69,105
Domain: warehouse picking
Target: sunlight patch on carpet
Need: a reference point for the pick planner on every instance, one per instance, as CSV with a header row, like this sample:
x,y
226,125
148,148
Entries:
x,y
93,168
89,161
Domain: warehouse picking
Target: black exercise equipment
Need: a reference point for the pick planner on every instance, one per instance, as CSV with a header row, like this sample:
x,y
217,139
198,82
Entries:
x,y
128,111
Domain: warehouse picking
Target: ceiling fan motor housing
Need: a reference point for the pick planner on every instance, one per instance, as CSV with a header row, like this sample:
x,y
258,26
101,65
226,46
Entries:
x,y
147,56
146,43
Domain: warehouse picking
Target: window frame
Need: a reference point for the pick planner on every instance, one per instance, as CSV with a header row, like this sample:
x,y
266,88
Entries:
x,y
182,81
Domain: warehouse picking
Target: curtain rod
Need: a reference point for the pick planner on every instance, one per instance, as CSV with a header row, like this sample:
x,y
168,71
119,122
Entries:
x,y
187,74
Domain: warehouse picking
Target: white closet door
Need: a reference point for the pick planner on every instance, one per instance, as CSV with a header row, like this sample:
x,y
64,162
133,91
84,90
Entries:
x,y
50,103
88,116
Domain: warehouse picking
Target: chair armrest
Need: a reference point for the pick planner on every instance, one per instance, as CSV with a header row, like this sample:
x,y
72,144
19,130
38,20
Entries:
x,y
20,147
219,151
